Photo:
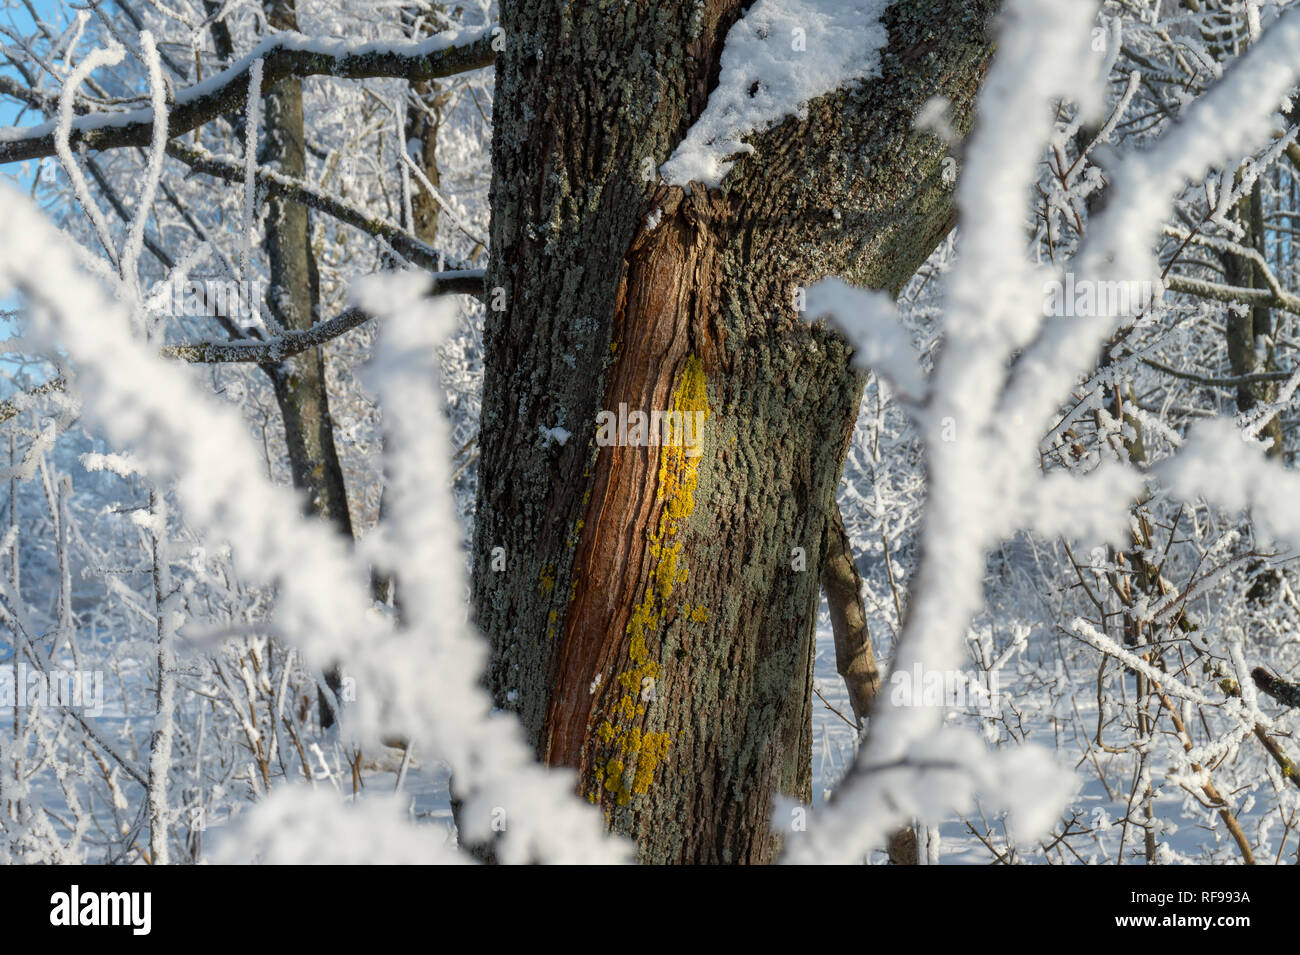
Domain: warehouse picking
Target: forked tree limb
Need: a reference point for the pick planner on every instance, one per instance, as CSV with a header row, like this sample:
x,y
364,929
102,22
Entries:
x,y
1211,791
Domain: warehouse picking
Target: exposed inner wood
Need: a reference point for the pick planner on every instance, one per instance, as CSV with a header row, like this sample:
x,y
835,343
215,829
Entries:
x,y
661,321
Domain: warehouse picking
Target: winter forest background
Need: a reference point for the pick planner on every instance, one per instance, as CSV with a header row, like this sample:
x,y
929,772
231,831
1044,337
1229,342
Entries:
x,y
1011,617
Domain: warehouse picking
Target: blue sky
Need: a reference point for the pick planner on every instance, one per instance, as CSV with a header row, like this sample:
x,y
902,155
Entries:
x,y
17,18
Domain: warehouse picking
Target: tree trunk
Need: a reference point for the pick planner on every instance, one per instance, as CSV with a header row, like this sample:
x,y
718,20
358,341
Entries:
x,y
425,103
1250,329
651,612
293,296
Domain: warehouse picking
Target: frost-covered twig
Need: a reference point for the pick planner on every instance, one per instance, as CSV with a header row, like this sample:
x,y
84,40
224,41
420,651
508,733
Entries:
x,y
134,243
21,402
248,207
60,138
160,743
324,601
1233,294
277,184
1099,641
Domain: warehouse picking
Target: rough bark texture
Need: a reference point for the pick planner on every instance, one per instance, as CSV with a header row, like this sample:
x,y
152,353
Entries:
x,y
651,613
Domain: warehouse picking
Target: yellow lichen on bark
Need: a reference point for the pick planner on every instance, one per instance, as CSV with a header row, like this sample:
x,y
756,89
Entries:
x,y
633,756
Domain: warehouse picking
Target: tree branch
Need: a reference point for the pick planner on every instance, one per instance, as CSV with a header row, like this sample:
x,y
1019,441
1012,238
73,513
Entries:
x,y
35,99
11,407
271,351
855,658
1234,294
1234,382
283,56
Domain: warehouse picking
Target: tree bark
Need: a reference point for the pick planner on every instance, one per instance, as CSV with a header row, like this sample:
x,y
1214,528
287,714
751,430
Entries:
x,y
651,613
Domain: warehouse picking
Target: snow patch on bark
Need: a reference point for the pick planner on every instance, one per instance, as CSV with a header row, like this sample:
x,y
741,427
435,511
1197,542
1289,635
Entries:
x,y
778,57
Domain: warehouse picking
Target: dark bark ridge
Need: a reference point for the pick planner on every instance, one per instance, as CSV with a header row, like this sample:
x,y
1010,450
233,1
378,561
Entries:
x,y
653,622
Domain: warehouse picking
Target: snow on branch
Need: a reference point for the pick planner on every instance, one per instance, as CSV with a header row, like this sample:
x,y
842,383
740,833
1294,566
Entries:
x,y
284,55
16,405
1225,465
288,828
1234,294
869,321
1169,683
421,686
61,141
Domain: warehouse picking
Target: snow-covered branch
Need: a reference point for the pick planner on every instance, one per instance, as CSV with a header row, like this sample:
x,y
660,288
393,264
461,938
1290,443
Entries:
x,y
445,54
